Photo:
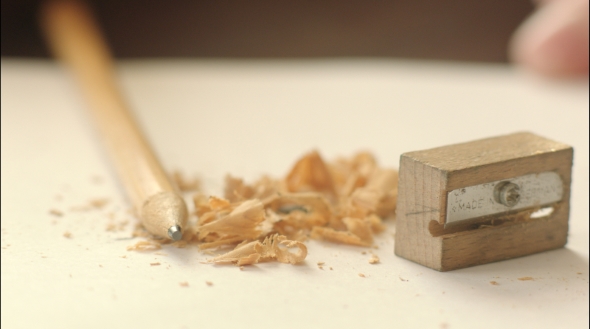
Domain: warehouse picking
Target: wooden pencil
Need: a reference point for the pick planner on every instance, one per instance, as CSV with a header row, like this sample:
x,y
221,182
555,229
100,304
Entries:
x,y
76,40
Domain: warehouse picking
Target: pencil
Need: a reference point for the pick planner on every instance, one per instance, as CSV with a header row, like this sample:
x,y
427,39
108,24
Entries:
x,y
76,40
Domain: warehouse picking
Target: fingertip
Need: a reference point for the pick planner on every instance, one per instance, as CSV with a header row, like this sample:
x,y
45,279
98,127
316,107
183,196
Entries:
x,y
554,40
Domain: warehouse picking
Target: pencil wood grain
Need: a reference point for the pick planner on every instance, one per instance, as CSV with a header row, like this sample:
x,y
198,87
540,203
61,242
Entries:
x,y
76,40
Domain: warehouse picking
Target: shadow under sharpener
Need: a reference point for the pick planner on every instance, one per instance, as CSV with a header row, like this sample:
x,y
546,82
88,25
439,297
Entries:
x,y
483,201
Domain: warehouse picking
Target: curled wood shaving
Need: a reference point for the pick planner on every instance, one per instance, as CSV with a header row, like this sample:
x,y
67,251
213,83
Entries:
x,y
350,174
310,173
242,221
330,234
235,189
275,247
222,242
360,228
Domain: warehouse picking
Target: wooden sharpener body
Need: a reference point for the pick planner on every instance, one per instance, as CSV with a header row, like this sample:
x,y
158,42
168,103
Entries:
x,y
475,203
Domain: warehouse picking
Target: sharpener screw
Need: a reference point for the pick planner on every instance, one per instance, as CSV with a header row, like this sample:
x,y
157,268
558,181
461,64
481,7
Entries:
x,y
507,193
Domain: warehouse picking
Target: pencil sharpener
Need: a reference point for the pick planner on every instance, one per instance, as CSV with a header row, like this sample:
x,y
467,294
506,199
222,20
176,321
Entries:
x,y
483,201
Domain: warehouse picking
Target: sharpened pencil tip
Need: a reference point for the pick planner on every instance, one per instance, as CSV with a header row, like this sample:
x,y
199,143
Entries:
x,y
164,214
175,233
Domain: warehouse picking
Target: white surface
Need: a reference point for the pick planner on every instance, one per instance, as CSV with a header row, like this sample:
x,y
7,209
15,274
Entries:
x,y
254,117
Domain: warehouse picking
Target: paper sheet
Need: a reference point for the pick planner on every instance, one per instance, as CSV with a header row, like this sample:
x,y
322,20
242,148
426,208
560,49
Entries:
x,y
250,118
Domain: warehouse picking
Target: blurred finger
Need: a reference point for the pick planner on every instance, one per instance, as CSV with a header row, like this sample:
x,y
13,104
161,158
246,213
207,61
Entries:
x,y
554,40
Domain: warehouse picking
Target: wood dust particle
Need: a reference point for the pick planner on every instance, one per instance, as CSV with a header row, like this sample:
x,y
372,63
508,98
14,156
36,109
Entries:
x,y
209,283
99,203
403,280
67,235
331,269
494,283
362,275
186,184
145,246
96,179
117,226
93,204
374,260
155,264
124,256
321,267
183,284
321,263
241,268
56,212
526,278
363,253
579,273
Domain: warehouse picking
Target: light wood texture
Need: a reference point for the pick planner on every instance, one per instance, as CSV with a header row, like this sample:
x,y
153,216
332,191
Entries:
x,y
76,40
427,176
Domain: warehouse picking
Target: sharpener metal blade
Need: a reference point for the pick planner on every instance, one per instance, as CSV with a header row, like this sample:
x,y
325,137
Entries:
x,y
482,200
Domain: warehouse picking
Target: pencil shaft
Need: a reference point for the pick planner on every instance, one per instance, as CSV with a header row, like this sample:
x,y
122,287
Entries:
x,y
77,41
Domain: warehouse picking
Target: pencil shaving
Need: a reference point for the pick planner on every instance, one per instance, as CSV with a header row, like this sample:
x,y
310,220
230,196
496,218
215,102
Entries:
x,y
374,259
330,234
268,220
145,246
185,184
310,173
275,247
242,221
56,212
98,203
